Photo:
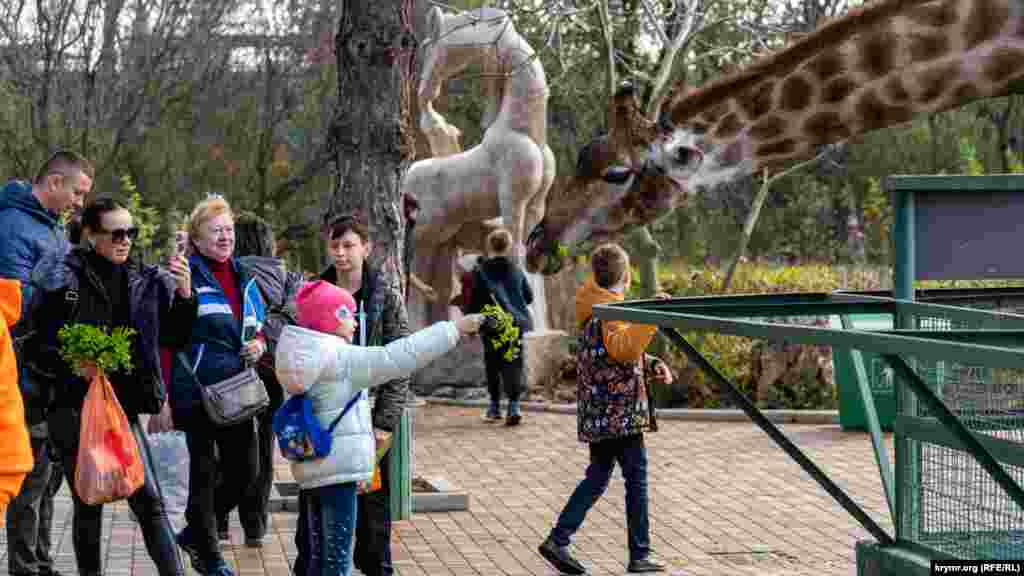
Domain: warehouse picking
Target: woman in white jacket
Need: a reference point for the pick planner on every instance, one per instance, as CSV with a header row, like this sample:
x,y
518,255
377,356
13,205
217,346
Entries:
x,y
316,358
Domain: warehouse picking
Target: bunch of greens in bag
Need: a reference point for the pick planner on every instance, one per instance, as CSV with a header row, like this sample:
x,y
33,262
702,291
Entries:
x,y
500,331
83,343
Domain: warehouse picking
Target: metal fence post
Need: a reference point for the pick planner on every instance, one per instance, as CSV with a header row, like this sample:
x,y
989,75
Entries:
x,y
400,482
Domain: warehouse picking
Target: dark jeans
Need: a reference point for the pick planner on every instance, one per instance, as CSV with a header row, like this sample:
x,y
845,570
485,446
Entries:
x,y
30,515
509,373
323,535
146,503
230,453
373,527
254,506
631,455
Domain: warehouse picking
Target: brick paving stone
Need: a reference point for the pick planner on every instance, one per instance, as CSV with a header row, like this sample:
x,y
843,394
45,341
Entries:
x,y
724,500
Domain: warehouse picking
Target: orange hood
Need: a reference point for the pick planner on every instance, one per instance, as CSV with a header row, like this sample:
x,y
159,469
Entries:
x,y
624,341
10,301
590,294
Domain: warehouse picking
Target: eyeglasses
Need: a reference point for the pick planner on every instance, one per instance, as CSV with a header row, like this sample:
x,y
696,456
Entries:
x,y
122,234
221,231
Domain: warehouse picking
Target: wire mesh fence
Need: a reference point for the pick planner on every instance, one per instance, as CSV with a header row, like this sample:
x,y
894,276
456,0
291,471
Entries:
x,y
948,501
969,356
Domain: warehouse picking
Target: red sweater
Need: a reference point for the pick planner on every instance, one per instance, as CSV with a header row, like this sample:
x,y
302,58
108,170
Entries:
x,y
225,275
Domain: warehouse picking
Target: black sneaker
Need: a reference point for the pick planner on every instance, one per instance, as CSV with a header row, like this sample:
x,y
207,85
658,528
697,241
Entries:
x,y
644,565
513,420
185,542
560,558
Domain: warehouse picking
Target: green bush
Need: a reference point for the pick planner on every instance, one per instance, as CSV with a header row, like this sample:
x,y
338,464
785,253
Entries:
x,y
732,355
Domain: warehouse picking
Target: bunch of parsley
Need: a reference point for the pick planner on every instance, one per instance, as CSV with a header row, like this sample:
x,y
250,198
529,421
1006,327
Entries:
x,y
84,343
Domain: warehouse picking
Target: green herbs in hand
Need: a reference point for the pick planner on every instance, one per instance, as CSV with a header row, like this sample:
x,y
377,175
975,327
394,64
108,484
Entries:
x,y
500,331
85,344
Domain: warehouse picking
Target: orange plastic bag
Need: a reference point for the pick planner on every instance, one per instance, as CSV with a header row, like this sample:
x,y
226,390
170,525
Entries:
x,y
108,467
382,440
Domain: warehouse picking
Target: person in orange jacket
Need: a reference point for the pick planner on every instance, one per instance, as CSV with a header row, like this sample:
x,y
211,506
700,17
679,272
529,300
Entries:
x,y
15,450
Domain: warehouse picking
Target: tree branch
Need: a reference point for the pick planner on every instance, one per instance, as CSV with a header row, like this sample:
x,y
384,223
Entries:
x,y
606,33
665,66
767,180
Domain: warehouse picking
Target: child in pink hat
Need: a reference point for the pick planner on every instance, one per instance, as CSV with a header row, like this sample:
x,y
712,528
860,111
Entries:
x,y
324,307
316,358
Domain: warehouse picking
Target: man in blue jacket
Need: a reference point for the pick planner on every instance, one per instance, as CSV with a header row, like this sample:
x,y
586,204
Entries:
x,y
31,231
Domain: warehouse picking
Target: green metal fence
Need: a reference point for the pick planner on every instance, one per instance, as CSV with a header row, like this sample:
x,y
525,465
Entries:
x,y
851,413
958,373
948,501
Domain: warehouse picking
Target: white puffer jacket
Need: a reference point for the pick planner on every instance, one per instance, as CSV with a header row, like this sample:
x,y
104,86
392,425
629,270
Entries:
x,y
330,371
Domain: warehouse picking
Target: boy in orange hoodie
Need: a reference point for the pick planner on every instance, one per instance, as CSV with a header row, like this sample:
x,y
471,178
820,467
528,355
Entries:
x,y
611,411
15,450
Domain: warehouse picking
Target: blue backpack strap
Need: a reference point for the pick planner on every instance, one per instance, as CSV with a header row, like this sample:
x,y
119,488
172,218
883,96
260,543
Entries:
x,y
348,407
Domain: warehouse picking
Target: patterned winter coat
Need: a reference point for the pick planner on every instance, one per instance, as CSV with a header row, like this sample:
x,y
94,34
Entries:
x,y
611,392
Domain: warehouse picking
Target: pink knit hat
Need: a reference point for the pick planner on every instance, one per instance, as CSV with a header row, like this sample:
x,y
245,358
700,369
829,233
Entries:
x,y
321,306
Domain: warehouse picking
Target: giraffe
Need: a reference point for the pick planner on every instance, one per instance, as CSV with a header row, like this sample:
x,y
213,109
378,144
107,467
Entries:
x,y
876,66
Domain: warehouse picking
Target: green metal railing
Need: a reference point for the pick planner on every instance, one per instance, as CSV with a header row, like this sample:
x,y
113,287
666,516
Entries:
x,y
955,489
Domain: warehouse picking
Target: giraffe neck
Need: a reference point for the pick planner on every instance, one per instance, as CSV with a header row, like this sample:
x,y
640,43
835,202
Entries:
x,y
525,94
933,56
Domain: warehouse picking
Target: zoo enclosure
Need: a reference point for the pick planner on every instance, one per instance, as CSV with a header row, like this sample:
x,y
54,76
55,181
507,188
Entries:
x,y
954,491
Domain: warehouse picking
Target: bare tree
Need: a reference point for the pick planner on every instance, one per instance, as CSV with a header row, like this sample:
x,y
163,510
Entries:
x,y
98,74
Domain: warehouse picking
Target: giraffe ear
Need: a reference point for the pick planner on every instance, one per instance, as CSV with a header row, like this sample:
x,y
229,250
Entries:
x,y
877,66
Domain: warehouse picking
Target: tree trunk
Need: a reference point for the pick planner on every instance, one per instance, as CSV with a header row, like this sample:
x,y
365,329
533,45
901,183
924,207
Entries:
x,y
375,51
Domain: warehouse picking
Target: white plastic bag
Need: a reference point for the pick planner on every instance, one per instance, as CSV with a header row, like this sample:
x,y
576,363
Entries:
x,y
170,460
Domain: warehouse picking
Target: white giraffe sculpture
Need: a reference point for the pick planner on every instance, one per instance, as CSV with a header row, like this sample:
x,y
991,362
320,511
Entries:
x,y
507,175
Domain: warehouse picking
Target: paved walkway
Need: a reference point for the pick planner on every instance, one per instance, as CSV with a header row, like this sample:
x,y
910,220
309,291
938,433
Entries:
x,y
723,500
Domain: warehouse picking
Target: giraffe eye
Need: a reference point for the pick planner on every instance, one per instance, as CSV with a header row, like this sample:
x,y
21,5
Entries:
x,y
686,156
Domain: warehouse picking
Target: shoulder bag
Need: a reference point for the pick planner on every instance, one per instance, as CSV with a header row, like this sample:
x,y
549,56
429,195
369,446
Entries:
x,y
232,400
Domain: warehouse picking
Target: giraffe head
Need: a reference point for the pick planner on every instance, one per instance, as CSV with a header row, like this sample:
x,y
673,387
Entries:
x,y
877,66
605,199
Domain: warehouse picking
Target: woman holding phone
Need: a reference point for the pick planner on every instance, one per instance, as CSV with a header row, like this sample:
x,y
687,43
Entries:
x,y
226,339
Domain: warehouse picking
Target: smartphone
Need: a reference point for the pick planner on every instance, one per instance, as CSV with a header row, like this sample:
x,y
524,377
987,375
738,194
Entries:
x,y
180,242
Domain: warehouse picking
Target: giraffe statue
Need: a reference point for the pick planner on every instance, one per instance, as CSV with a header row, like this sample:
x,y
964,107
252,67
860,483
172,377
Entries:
x,y
877,66
507,175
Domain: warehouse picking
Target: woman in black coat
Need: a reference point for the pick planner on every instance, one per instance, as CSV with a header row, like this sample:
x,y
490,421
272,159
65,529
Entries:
x,y
100,286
